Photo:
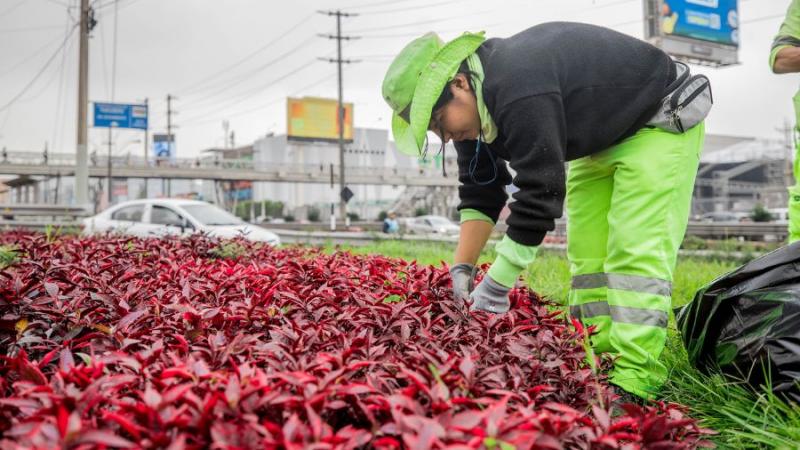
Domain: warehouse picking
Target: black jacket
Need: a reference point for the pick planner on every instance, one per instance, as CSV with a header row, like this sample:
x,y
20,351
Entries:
x,y
557,92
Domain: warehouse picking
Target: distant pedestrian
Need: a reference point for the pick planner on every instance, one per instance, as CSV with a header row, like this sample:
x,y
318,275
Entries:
x,y
390,225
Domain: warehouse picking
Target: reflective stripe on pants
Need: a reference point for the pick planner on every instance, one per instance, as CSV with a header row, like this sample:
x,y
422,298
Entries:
x,y
628,208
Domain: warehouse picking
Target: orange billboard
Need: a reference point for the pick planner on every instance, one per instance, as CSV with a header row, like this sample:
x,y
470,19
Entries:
x,y
315,119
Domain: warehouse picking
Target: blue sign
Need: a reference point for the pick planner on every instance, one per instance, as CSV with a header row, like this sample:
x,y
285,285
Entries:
x,y
119,115
707,20
163,147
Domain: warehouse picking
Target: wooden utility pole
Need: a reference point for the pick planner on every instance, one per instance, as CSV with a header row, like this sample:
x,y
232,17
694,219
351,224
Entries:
x,y
339,61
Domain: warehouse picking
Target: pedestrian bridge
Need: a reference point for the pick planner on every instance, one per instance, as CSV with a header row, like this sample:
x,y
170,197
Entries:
x,y
63,164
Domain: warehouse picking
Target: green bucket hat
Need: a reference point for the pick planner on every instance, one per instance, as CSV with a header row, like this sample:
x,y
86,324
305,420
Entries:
x,y
415,80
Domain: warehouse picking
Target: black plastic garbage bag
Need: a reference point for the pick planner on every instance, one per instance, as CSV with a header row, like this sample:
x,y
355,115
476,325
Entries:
x,y
747,323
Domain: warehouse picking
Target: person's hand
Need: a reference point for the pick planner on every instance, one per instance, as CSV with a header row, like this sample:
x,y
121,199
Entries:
x,y
463,276
490,296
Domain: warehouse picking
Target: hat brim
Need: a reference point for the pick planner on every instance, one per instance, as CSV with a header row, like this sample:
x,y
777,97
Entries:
x,y
404,138
410,136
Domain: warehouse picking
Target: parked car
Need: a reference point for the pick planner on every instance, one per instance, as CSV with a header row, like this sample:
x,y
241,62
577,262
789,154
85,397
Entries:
x,y
432,225
724,216
780,215
162,217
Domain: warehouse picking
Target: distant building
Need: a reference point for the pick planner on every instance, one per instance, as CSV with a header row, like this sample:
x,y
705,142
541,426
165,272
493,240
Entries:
x,y
370,150
737,173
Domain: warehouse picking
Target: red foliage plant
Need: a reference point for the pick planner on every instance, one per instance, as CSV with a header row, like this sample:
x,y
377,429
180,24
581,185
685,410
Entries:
x,y
147,343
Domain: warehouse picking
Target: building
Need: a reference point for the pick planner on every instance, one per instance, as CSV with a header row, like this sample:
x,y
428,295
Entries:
x,y
738,173
370,150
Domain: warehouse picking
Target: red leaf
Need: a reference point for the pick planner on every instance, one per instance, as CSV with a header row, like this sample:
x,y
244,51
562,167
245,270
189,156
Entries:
x,y
102,437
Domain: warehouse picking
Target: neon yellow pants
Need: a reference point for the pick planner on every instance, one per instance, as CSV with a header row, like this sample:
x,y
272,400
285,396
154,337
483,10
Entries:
x,y
627,209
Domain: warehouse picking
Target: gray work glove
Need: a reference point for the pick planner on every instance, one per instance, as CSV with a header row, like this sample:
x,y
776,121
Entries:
x,y
463,276
490,296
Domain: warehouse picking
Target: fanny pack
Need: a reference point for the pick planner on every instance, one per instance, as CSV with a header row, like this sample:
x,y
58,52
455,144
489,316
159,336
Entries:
x,y
687,104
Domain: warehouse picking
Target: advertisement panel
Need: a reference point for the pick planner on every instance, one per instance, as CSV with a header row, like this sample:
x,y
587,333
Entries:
x,y
316,119
707,20
163,147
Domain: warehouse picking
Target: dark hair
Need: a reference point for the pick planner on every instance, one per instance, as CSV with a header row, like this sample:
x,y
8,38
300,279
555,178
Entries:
x,y
444,99
447,94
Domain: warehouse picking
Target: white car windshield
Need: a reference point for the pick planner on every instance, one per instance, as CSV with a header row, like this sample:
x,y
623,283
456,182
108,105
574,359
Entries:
x,y
211,215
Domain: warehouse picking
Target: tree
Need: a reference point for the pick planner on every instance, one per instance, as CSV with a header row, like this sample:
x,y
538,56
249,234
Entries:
x,y
314,214
760,214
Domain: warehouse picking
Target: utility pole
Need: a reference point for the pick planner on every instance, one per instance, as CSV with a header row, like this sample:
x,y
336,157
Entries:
x,y
146,130
339,61
87,23
108,171
170,139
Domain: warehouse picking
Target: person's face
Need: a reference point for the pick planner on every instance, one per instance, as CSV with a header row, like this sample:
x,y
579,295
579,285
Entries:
x,y
458,120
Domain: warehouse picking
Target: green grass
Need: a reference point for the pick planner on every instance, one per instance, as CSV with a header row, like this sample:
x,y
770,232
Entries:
x,y
742,418
8,256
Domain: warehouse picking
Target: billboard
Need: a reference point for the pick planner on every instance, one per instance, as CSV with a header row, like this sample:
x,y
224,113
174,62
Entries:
x,y
120,115
164,147
316,119
707,20
697,31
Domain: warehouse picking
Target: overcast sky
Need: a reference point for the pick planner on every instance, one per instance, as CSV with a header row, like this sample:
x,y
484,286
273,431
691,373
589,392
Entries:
x,y
239,59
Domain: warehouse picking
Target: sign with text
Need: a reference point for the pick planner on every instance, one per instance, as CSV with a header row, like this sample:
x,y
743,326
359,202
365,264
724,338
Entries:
x,y
118,115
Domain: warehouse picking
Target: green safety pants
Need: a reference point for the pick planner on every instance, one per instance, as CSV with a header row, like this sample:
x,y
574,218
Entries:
x,y
627,208
794,191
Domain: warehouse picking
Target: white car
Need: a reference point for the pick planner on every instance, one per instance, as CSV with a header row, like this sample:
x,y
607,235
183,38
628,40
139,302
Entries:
x,y
162,217
432,225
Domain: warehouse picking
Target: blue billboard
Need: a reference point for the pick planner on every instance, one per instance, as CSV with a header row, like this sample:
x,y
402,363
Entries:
x,y
164,147
120,115
707,20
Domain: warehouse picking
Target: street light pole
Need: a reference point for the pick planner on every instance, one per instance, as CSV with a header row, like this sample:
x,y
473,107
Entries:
x,y
110,200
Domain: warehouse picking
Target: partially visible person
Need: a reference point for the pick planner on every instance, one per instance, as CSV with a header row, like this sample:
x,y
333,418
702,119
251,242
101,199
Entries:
x,y
785,58
390,224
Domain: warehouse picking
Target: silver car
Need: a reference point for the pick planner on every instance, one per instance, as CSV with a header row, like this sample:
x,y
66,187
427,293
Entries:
x,y
432,225
163,217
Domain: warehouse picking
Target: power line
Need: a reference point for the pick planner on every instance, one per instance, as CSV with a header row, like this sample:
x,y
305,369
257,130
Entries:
x,y
423,22
12,8
410,8
32,55
234,82
26,29
245,96
56,2
370,5
418,33
38,74
771,16
114,53
264,105
58,123
44,88
104,62
343,191
248,95
250,55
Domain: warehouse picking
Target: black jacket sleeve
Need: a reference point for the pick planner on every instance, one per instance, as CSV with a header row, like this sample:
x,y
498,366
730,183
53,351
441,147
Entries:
x,y
489,198
535,136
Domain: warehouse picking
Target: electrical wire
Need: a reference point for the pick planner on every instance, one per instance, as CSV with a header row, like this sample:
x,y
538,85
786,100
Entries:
x,y
264,105
192,88
235,81
39,73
